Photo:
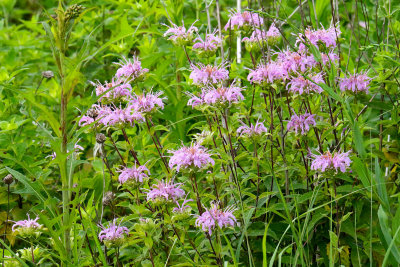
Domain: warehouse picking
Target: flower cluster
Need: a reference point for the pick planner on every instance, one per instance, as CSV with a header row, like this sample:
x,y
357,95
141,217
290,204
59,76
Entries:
x,y
301,123
113,235
27,228
118,116
358,82
327,161
133,175
132,107
246,19
179,35
260,38
268,73
319,37
301,85
215,217
221,96
189,157
253,130
113,91
130,69
208,46
205,75
165,191
147,103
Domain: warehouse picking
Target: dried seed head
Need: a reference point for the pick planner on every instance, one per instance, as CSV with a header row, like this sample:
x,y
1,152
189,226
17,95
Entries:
x,y
92,113
73,12
48,74
108,198
8,179
100,138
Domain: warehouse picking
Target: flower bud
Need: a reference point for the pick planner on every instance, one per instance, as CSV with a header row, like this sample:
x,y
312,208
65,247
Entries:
x,y
8,179
73,12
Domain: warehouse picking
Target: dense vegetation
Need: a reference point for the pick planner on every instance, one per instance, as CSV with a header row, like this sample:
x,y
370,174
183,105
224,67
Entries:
x,y
191,133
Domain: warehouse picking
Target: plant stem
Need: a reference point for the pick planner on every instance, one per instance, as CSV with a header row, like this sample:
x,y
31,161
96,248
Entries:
x,y
133,153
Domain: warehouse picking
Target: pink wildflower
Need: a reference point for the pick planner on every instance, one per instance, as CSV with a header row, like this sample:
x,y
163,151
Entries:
x,y
85,120
222,96
294,61
327,161
209,45
302,122
182,208
27,225
116,89
130,69
215,217
246,19
179,35
118,116
252,130
321,36
113,234
135,174
302,85
358,82
147,103
329,58
258,37
188,157
165,191
204,75
267,73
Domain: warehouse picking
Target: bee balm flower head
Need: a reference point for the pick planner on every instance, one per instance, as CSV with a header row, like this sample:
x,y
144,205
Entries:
x,y
214,218
204,75
27,228
130,69
190,157
134,175
245,20
327,161
358,82
301,123
165,192
179,35
207,47
254,130
113,235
